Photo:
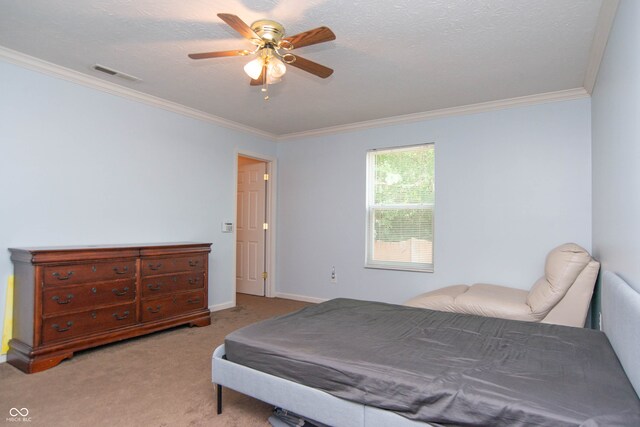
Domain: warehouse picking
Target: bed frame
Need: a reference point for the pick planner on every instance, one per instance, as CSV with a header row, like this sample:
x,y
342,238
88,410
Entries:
x,y
620,322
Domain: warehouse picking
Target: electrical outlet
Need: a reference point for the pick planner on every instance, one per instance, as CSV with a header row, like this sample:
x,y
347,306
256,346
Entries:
x,y
334,278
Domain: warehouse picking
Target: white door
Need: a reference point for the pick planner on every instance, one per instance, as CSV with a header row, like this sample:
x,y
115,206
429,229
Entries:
x,y
250,235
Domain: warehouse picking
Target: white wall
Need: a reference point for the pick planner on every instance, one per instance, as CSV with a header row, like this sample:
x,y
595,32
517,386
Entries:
x,y
80,166
616,149
510,186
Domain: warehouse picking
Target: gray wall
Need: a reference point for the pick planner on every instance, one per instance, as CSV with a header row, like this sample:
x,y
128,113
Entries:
x,y
80,166
510,186
616,149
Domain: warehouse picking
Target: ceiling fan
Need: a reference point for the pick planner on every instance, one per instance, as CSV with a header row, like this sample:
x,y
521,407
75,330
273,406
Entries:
x,y
272,50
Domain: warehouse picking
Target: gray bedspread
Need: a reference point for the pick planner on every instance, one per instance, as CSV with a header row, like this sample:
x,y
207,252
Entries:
x,y
444,368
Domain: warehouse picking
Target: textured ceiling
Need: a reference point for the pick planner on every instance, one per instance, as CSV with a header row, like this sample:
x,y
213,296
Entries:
x,y
390,57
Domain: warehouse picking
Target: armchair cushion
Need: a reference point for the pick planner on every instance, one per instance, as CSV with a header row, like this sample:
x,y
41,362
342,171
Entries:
x,y
562,267
480,299
442,299
495,301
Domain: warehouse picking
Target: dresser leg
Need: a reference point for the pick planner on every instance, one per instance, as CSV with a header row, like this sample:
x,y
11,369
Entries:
x,y
206,321
28,363
44,363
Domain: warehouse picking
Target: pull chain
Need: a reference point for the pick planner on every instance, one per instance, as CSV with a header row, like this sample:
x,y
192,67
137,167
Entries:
x,y
265,85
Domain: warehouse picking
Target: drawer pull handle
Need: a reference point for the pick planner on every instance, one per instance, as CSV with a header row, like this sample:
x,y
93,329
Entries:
x,y
59,277
152,310
122,292
155,266
153,287
93,314
57,299
124,315
94,290
193,263
194,281
123,271
59,329
193,301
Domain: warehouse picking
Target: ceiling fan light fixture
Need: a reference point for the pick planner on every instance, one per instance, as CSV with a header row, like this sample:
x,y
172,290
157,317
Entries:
x,y
254,68
275,68
271,80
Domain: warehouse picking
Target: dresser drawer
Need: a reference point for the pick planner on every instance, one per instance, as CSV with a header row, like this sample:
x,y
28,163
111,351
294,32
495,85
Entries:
x,y
73,298
90,272
159,285
173,305
153,266
67,326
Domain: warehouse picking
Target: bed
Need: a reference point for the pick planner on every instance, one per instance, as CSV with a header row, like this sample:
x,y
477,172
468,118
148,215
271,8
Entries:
x,y
425,367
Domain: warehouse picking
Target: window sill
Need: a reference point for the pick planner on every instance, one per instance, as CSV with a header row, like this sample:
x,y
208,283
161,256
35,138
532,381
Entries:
x,y
400,268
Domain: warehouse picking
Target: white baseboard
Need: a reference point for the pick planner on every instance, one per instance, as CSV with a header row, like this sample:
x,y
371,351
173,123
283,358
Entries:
x,y
223,306
3,358
301,298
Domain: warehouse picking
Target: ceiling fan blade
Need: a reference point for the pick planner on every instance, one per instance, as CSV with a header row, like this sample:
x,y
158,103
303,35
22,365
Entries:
x,y
220,54
317,35
239,25
312,67
260,80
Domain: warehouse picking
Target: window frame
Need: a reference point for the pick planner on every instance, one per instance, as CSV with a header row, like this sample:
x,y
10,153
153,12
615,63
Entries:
x,y
370,209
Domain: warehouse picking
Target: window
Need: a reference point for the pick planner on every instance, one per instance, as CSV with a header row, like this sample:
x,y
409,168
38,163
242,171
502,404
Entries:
x,y
400,205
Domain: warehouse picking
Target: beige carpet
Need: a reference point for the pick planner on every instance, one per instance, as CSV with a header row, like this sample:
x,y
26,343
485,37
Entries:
x,y
162,379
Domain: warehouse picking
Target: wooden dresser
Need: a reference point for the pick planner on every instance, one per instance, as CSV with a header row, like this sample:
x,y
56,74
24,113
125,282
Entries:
x,y
73,298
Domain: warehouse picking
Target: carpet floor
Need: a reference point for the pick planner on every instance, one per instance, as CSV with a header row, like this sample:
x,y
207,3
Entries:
x,y
162,379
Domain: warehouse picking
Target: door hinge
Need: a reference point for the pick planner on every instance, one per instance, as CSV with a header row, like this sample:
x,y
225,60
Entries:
x,y
265,226
264,275
266,177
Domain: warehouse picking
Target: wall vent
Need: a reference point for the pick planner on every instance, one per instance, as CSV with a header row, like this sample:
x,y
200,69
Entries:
x,y
116,73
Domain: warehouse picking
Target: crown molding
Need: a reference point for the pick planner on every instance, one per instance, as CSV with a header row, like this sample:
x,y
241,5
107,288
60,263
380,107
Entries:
x,y
58,71
599,43
562,95
32,63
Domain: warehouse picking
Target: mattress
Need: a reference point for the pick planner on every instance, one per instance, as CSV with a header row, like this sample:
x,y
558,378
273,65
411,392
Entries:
x,y
444,368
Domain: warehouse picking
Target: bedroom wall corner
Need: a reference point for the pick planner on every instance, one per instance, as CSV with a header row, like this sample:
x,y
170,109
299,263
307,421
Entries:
x,y
616,152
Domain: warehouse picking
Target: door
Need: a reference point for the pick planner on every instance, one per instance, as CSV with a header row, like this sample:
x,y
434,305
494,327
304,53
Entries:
x,y
250,237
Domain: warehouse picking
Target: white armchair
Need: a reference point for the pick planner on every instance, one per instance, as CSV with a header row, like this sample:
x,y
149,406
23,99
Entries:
x,y
561,296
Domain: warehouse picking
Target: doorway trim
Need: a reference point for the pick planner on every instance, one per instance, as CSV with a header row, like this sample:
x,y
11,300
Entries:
x,y
270,238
